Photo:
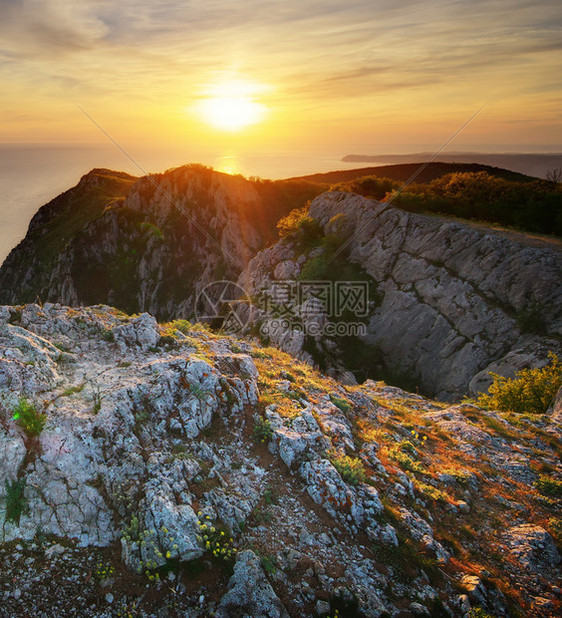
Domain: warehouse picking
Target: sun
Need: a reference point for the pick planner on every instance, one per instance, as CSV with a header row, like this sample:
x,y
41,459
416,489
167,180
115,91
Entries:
x,y
232,105
232,113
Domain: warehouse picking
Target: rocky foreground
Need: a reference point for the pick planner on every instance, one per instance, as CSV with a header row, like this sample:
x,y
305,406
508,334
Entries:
x,y
161,470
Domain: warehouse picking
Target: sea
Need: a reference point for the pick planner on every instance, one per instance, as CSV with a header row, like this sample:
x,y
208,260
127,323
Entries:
x,y
33,174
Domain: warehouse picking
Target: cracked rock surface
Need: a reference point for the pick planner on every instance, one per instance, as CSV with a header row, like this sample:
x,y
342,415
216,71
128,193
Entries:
x,y
449,296
176,472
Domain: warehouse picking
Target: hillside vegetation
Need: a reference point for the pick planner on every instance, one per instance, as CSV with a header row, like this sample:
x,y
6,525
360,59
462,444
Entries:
x,y
529,205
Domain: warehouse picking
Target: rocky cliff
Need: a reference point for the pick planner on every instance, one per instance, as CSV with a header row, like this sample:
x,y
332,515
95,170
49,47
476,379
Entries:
x,y
148,245
446,303
161,470
451,301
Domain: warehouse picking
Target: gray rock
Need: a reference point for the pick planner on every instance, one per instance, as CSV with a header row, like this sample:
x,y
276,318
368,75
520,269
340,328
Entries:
x,y
250,592
141,331
456,286
533,547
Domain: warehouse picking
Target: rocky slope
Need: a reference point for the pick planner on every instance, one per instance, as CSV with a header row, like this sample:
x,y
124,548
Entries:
x,y
451,302
146,244
161,470
448,302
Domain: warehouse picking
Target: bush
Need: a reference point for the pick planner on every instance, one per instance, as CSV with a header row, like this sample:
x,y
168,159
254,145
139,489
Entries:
x,y
478,612
262,430
555,526
342,404
530,391
350,468
530,319
298,221
216,540
15,501
315,269
26,416
184,326
549,487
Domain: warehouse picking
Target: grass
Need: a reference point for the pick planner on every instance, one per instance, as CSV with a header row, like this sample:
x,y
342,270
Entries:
x,y
431,492
478,612
72,390
350,468
406,461
548,486
407,559
28,418
262,431
16,503
497,426
342,404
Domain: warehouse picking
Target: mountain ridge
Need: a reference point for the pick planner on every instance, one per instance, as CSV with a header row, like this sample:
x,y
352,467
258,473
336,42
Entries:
x,y
129,245
534,164
403,171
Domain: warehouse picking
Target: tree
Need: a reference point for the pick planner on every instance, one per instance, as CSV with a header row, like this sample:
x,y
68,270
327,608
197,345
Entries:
x,y
554,175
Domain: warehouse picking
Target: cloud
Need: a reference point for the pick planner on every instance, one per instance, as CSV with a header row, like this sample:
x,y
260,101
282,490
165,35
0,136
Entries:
x,y
32,28
314,53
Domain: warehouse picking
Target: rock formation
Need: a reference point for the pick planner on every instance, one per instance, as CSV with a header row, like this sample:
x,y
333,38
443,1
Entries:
x,y
453,301
148,245
449,301
160,469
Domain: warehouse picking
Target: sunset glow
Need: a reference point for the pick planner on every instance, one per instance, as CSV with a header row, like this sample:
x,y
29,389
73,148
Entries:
x,y
232,114
359,77
231,105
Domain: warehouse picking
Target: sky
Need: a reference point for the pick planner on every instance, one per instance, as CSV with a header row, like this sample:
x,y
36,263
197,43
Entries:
x,y
360,76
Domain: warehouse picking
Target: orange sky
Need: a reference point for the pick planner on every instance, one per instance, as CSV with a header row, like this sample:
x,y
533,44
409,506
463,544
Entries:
x,y
362,76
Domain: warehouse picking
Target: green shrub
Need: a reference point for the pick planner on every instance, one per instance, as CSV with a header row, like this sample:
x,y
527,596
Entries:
x,y
27,417
549,486
16,503
315,269
555,526
530,391
108,335
184,326
531,320
350,468
268,564
399,454
216,540
103,571
478,612
342,404
298,222
291,223
262,430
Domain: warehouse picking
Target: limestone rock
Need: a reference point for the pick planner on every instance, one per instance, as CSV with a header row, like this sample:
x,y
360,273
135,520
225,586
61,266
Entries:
x,y
533,547
250,592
